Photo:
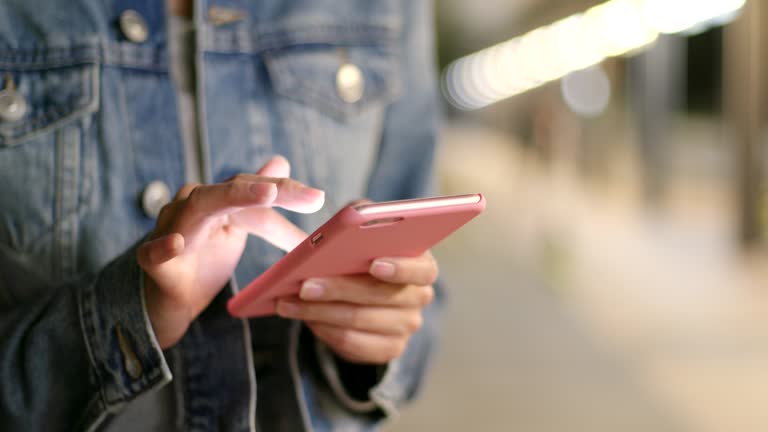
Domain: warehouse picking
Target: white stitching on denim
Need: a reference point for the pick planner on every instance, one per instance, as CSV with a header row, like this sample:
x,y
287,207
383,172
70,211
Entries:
x,y
293,360
253,398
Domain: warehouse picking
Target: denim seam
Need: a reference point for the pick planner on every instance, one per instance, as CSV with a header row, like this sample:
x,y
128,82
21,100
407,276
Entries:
x,y
46,58
84,306
243,42
99,49
68,144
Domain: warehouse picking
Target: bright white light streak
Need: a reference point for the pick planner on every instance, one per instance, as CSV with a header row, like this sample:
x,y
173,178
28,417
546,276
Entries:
x,y
679,15
569,33
477,83
494,72
535,54
453,86
619,27
614,28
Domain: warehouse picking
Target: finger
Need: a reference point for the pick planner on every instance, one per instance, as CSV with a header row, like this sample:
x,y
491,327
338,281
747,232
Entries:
x,y
185,190
269,225
278,166
421,270
366,290
382,320
358,346
167,215
158,251
295,196
223,198
291,194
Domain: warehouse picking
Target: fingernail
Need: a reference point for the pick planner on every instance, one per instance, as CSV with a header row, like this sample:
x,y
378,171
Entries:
x,y
287,309
382,269
310,192
312,289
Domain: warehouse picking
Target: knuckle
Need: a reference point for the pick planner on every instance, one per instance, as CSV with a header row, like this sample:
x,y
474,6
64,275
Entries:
x,y
239,178
427,295
233,189
345,341
165,217
185,190
395,349
194,198
428,274
188,187
434,272
414,323
287,184
354,317
166,212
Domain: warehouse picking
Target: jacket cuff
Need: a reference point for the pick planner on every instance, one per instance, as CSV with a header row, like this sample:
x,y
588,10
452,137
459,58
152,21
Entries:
x,y
330,368
404,376
122,346
397,382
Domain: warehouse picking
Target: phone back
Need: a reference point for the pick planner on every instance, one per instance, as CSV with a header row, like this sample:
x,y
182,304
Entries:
x,y
347,244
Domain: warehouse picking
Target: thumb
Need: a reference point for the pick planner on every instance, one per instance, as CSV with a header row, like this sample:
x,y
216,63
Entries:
x,y
160,250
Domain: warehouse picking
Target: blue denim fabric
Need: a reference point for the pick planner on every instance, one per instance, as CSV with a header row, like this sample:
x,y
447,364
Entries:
x,y
75,342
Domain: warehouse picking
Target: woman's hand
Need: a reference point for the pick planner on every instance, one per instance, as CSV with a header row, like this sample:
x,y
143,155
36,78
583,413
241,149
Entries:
x,y
200,237
367,318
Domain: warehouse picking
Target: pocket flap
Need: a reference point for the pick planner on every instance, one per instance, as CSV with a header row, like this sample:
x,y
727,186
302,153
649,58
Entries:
x,y
53,96
309,74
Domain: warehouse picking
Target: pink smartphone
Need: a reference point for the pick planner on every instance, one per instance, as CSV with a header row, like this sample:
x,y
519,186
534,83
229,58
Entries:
x,y
355,236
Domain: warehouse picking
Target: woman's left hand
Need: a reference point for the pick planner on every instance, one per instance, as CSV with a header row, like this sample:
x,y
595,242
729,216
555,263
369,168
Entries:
x,y
367,318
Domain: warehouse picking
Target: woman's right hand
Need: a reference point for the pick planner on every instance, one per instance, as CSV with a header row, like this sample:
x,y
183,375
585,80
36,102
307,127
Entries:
x,y
200,237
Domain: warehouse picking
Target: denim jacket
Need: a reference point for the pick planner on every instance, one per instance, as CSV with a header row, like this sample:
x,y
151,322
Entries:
x,y
99,125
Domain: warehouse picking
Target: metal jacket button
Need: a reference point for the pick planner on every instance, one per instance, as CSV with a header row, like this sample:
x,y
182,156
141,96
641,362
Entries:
x,y
133,26
155,196
350,83
13,106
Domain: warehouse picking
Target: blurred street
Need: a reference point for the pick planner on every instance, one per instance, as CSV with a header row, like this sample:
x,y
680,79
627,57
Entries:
x,y
576,308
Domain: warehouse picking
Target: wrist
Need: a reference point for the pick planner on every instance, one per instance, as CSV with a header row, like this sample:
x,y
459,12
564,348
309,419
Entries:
x,y
169,320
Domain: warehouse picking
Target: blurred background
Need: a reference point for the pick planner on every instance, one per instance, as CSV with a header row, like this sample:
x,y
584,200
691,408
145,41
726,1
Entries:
x,y
619,278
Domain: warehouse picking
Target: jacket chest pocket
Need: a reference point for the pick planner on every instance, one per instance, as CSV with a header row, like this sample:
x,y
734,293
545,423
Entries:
x,y
331,101
41,157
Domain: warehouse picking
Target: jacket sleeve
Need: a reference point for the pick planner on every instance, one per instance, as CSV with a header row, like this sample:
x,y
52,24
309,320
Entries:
x,y
404,170
73,356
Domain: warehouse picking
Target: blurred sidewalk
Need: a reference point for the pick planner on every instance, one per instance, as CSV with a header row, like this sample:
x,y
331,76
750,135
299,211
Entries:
x,y
576,310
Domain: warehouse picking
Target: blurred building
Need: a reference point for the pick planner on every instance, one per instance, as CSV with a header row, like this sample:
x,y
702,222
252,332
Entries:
x,y
616,281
